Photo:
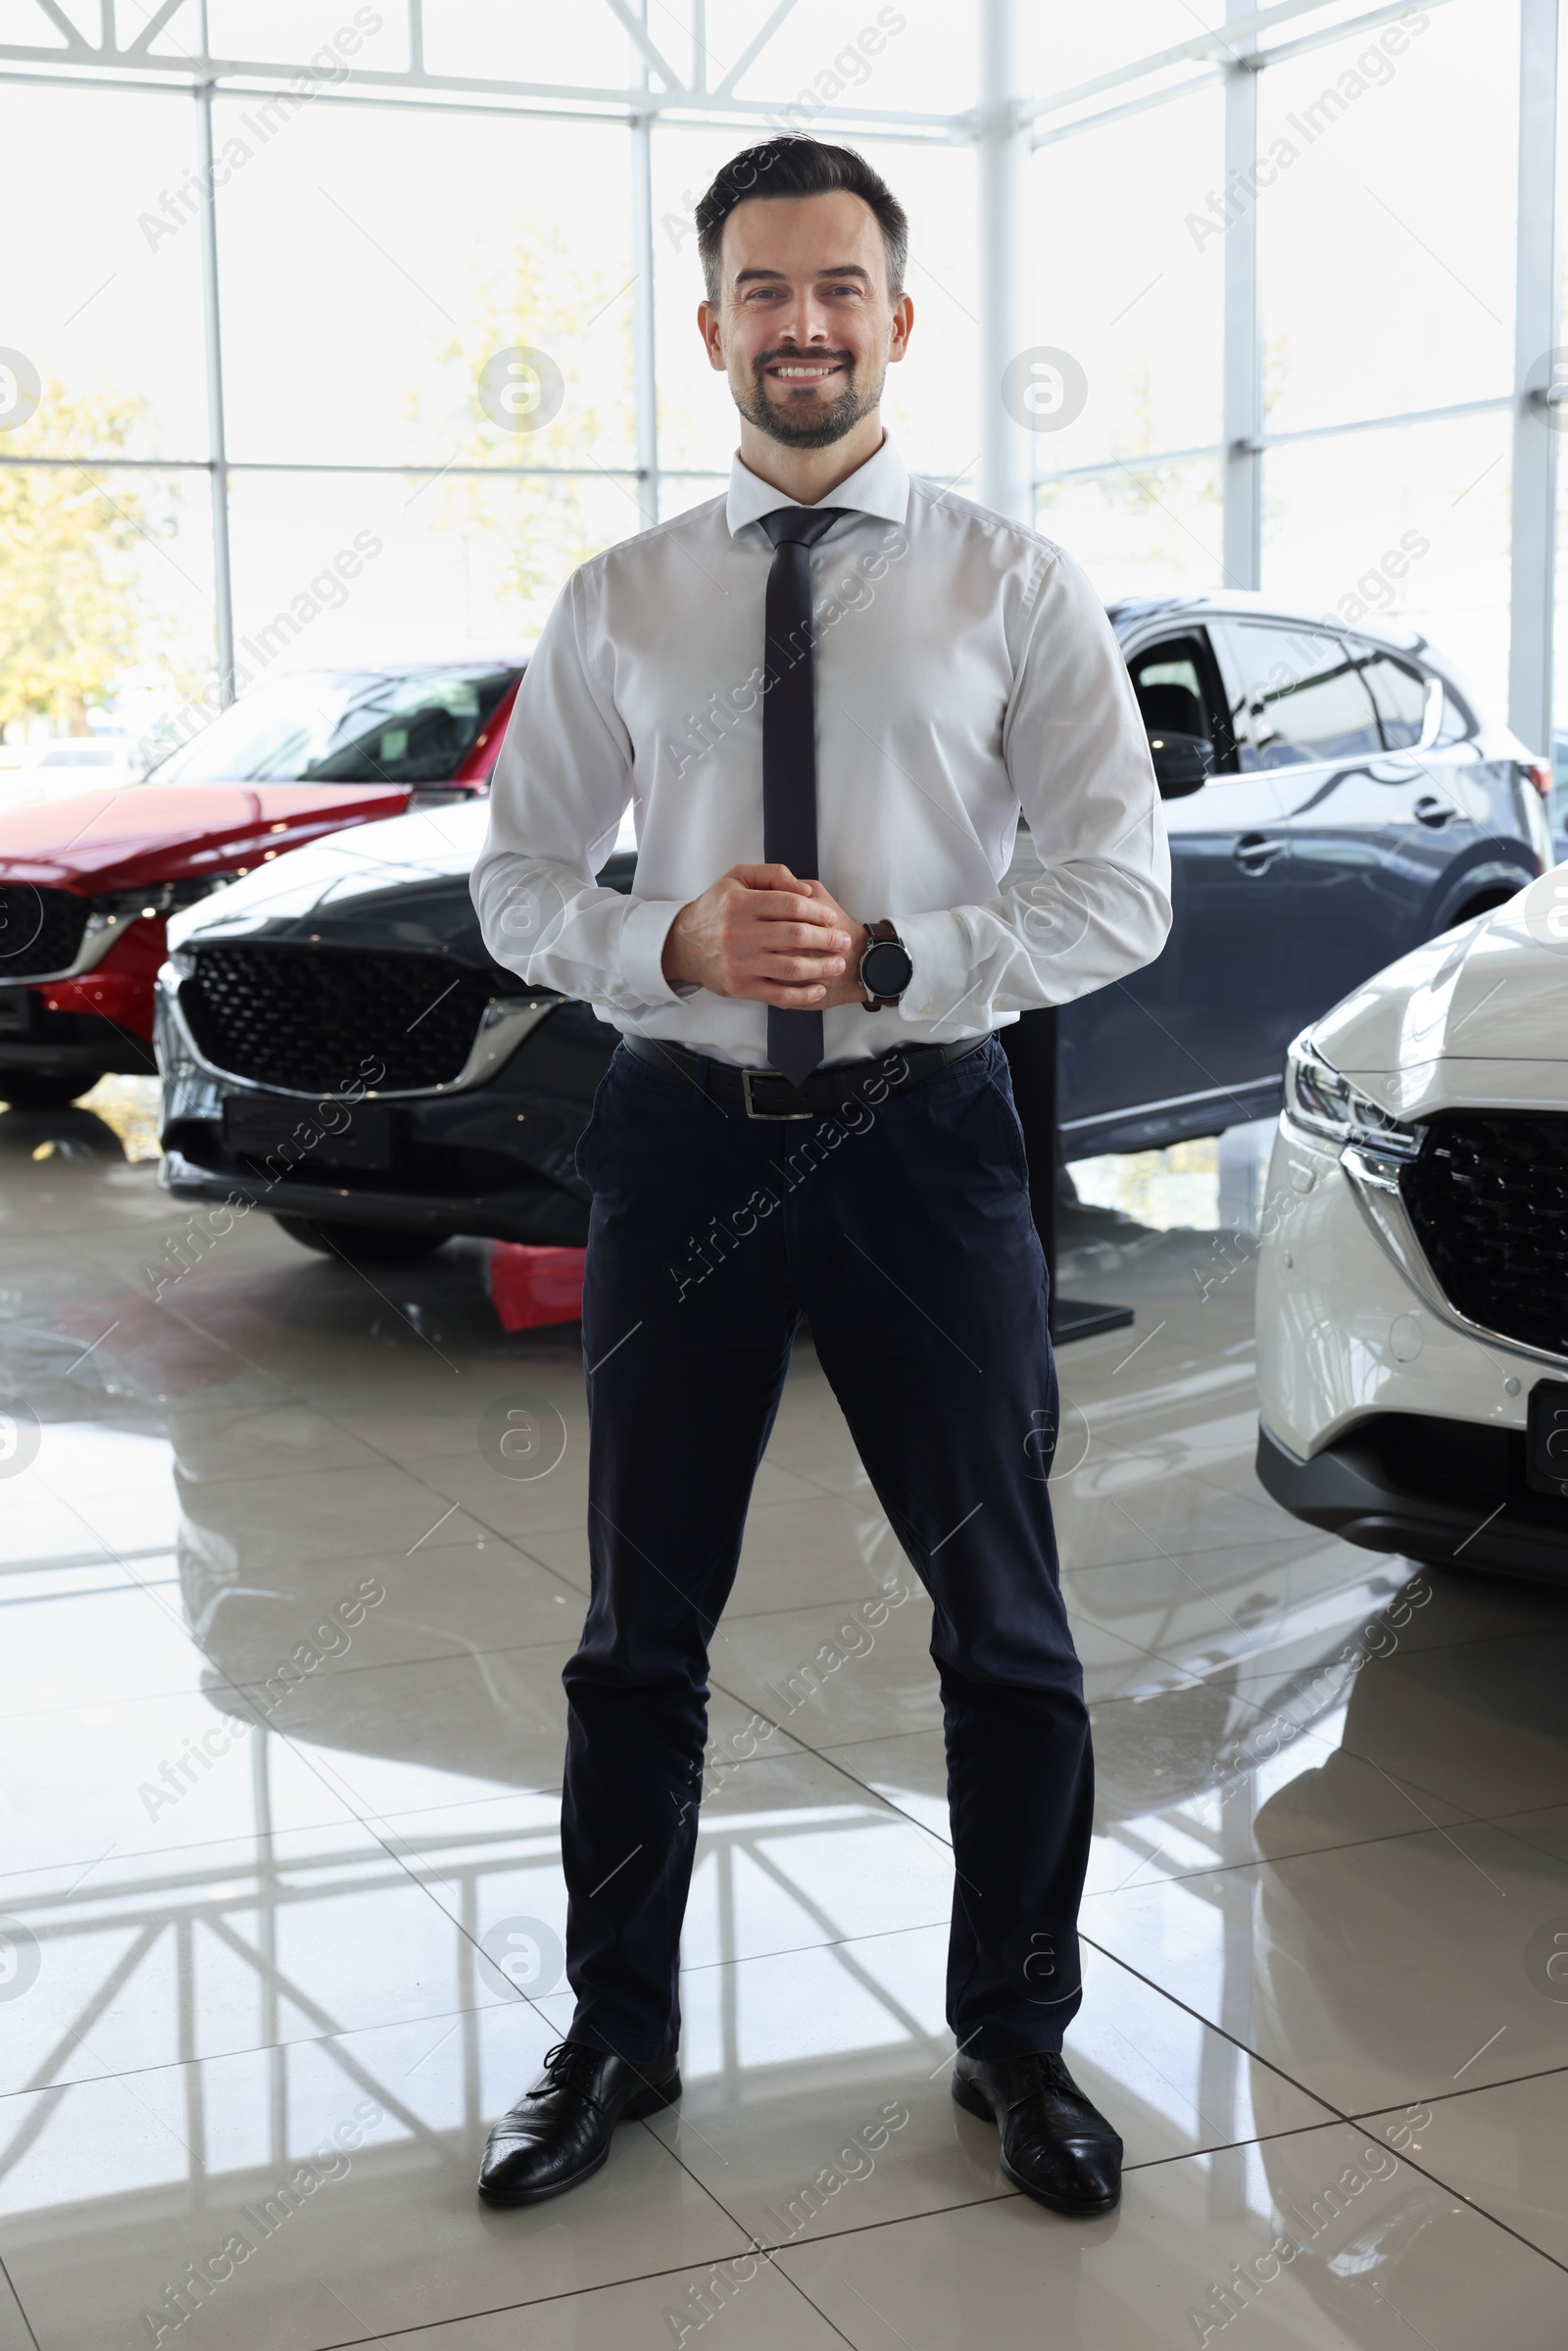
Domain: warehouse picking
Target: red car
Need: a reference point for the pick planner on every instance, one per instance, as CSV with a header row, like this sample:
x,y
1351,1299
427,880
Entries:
x,y
87,882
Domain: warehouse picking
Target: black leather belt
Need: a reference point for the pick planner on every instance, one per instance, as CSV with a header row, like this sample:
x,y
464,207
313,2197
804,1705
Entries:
x,y
763,1094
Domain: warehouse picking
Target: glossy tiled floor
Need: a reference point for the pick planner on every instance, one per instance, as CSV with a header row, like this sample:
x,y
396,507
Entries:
x,y
268,1929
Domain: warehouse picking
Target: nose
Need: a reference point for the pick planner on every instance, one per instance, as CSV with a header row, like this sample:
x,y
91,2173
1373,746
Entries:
x,y
803,321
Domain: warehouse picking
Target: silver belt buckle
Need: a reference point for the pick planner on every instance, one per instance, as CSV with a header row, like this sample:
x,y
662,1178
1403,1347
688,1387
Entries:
x,y
747,1076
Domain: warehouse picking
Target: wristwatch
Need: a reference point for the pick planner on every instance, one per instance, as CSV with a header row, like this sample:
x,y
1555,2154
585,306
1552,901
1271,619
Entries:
x,y
886,967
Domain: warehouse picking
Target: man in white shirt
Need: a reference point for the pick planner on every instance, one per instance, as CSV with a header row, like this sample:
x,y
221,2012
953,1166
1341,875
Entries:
x,y
856,666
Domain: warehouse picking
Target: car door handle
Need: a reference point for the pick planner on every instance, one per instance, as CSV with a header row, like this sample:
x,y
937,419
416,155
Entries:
x,y
1256,855
1428,810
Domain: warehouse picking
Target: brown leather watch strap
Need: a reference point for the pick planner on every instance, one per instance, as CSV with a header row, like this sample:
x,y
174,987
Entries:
x,y
883,933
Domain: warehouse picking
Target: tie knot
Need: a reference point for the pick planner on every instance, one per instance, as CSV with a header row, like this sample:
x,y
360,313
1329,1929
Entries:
x,y
800,525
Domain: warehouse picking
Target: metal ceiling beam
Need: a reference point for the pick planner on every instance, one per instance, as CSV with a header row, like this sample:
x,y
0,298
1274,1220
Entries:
x,y
1541,383
753,48
1204,47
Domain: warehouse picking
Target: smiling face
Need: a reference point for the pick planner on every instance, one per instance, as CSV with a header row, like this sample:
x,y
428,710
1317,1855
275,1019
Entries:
x,y
803,326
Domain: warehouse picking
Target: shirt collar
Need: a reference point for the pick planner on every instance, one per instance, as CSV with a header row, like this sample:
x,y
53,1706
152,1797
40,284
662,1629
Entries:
x,y
881,487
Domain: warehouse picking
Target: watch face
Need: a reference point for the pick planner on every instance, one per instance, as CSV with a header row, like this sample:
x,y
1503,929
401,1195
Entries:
x,y
887,969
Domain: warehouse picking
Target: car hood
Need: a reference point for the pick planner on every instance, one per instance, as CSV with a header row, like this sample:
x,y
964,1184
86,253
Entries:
x,y
1479,1015
403,884
118,838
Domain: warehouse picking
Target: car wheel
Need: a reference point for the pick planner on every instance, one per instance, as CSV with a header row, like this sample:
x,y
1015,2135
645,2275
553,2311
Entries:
x,y
1487,902
41,1090
361,1244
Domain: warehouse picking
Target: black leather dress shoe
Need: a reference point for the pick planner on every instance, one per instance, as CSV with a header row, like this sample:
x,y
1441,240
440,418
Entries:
x,y
558,2132
1055,2145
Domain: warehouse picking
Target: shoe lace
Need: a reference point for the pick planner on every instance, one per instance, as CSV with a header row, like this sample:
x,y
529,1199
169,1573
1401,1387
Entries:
x,y
1038,2072
570,2066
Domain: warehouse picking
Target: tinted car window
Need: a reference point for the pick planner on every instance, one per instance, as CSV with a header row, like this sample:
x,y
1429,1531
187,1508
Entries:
x,y
1301,696
409,726
1400,695
1169,682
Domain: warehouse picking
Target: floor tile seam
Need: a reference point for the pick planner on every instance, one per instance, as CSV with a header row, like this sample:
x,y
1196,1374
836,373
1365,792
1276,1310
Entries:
x,y
1441,2097
139,1697
1196,1681
369,1665
1524,1812
1481,2211
1229,2146
1211,1546
1262,1861
153,1593
1402,1779
1259,1861
542,1565
570,2294
56,1563
434,1463
822,1755
1478,1641
187,1896
828,1943
553,1788
145,1852
301,2041
1210,2025
22,2308
472,1511
464,1650
98,1592
212,1339
751,2243
314,1767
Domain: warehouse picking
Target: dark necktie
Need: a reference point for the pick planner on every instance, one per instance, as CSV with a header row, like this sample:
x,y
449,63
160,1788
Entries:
x,y
789,745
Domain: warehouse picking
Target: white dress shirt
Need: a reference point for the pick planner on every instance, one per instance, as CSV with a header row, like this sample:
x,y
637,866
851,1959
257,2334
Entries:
x,y
965,668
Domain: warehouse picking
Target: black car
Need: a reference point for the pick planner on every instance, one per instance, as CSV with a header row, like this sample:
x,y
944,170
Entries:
x,y
339,1048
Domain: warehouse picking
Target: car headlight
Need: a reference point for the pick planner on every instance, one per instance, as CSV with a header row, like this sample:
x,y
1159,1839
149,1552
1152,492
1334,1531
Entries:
x,y
1318,1099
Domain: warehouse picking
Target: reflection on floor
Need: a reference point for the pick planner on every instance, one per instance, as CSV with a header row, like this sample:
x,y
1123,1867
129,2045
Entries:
x,y
280,1913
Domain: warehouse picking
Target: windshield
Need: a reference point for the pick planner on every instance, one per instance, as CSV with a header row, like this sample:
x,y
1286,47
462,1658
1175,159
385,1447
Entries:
x,y
414,727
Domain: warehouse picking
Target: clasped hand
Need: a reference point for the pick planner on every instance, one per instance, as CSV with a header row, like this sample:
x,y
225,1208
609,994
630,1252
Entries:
x,y
760,933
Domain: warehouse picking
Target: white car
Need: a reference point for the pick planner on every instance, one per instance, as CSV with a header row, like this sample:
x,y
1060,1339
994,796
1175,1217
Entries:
x,y
1412,1295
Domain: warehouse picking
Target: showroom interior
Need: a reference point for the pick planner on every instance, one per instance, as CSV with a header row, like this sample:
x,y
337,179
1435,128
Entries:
x,y
334,340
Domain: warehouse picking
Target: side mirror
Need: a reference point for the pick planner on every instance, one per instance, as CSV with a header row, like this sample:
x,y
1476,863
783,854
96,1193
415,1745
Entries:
x,y
1183,764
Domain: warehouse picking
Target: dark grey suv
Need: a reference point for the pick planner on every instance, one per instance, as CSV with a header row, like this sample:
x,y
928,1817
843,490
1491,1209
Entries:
x,y
1332,799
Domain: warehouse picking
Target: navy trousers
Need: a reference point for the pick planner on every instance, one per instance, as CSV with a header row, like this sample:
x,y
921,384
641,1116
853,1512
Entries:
x,y
900,1227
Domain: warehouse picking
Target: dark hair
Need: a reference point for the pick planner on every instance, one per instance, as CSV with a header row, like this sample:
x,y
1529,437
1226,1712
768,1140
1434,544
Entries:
x,y
799,166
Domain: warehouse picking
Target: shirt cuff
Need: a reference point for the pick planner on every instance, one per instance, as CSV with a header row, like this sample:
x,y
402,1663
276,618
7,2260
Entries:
x,y
642,949
942,979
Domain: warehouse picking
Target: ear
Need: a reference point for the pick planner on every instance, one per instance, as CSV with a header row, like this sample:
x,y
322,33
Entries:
x,y
708,327
903,329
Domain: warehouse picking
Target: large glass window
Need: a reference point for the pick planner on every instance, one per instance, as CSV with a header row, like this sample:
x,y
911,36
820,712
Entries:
x,y
1118,284
428,310
1141,530
1408,526
103,269
1386,251
378,270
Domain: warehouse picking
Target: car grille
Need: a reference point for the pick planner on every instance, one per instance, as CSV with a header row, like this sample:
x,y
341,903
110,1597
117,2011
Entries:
x,y
309,1019
40,930
1488,1199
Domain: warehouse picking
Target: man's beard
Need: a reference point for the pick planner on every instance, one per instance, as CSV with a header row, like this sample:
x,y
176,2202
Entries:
x,y
821,426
